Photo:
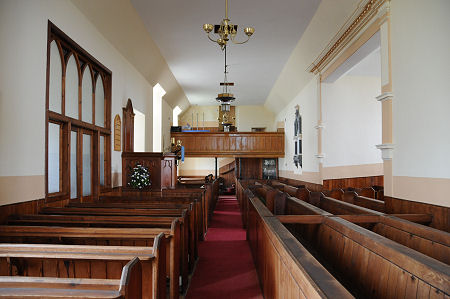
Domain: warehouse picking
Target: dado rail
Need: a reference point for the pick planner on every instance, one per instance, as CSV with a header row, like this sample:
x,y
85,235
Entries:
x,y
233,144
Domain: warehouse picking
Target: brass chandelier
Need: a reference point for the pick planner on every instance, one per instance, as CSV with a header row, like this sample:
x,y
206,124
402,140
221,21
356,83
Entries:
x,y
226,31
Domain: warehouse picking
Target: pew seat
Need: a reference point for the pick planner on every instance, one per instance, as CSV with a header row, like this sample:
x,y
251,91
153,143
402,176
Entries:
x,y
128,286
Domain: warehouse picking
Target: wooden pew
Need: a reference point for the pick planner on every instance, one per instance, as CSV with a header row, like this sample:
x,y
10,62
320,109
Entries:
x,y
96,262
273,198
102,236
373,266
196,199
285,268
362,201
128,287
187,254
188,225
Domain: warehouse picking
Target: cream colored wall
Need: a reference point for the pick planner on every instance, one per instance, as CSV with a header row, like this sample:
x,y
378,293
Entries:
x,y
247,117
421,105
329,18
23,58
197,167
207,113
254,116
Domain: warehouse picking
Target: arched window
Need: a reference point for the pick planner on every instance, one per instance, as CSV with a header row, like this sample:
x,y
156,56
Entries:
x,y
78,152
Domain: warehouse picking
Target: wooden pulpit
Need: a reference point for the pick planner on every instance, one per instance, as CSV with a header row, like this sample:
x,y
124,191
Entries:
x,y
162,168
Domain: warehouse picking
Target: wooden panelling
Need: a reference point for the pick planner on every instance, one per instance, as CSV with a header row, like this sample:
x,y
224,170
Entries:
x,y
441,215
361,182
239,144
228,173
27,207
162,168
298,183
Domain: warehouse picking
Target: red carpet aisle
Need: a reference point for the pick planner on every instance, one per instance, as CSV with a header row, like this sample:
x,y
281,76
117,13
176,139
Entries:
x,y
225,268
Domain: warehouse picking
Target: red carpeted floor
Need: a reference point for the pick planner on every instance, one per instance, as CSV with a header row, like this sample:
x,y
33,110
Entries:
x,y
225,268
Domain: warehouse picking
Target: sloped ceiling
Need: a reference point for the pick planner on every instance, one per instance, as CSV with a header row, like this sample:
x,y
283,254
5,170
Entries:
x,y
197,63
120,23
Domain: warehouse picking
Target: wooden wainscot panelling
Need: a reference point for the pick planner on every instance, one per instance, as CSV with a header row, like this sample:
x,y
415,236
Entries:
x,y
162,169
237,144
360,182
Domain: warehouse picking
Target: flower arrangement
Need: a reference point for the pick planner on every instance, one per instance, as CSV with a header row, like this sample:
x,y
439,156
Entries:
x,y
140,177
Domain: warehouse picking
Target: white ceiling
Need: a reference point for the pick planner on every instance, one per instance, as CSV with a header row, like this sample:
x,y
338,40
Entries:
x,y
197,63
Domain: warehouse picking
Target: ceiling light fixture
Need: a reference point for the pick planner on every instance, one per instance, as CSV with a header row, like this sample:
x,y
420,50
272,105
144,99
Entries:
x,y
226,31
225,98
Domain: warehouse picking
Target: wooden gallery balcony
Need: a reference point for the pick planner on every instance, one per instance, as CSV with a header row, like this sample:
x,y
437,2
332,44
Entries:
x,y
232,144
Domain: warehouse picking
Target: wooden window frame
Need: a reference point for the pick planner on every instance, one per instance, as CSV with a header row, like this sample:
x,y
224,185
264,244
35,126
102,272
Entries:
x,y
67,47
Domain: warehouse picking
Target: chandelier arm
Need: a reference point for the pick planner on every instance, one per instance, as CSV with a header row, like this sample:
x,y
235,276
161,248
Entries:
x,y
215,41
240,43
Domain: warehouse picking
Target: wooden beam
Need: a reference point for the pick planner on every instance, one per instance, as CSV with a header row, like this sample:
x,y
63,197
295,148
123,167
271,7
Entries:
x,y
301,219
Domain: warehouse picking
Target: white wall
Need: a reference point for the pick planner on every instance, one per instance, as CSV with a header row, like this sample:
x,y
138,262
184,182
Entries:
x,y
352,118
23,58
421,104
307,99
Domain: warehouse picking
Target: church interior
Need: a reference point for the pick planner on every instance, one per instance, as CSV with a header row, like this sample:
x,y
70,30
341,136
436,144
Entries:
x,y
224,149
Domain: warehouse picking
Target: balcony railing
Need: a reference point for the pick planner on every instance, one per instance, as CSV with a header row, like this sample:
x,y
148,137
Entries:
x,y
233,144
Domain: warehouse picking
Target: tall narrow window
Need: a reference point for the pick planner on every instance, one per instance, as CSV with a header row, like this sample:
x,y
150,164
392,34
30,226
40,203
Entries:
x,y
176,112
54,132
86,92
72,88
139,131
78,102
73,164
102,160
87,153
158,93
55,88
99,102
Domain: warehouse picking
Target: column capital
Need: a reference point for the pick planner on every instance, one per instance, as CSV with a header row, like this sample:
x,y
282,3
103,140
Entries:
x,y
320,157
387,150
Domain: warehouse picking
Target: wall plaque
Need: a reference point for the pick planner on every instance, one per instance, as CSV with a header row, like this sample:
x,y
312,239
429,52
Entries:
x,y
117,132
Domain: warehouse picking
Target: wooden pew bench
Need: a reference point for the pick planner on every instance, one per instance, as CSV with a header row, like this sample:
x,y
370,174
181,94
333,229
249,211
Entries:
x,y
103,237
187,240
380,267
362,201
79,261
285,268
187,225
128,286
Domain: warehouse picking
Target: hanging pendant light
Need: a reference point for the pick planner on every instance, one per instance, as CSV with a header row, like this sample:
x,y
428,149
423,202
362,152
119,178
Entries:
x,y
226,31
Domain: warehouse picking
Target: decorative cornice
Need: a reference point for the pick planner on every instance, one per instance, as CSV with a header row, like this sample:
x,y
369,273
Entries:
x,y
385,96
387,150
362,15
